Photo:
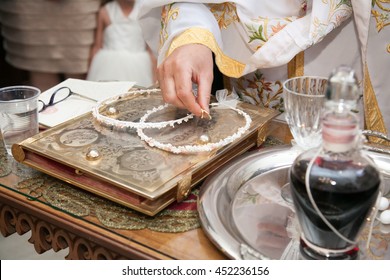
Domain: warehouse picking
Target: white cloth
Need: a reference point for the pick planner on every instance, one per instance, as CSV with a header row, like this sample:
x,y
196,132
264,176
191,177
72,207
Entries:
x,y
253,40
123,56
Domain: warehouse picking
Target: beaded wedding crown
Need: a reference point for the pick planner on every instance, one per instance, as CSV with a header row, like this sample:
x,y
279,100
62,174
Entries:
x,y
224,102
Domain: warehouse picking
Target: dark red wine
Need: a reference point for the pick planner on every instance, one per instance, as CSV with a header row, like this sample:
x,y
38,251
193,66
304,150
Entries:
x,y
343,191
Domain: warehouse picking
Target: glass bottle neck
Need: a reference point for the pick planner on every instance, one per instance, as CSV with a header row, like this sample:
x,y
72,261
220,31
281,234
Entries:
x,y
340,132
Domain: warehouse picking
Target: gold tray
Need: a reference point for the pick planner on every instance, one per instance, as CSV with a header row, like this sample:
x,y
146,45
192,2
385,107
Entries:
x,y
129,171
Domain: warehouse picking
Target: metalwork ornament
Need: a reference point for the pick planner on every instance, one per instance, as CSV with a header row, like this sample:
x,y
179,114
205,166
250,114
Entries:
x,y
92,155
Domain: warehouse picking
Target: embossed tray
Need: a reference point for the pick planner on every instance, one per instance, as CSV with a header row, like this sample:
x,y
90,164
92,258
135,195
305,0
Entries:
x,y
243,214
129,171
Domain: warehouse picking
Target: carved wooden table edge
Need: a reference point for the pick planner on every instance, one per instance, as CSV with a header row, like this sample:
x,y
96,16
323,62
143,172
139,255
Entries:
x,y
49,230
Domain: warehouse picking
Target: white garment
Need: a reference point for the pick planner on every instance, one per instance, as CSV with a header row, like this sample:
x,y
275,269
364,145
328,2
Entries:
x,y
253,40
287,26
123,56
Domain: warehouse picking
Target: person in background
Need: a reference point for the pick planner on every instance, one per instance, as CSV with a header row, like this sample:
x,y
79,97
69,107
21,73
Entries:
x,y
259,44
120,52
51,39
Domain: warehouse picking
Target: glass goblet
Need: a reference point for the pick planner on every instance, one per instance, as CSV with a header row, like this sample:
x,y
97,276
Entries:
x,y
303,104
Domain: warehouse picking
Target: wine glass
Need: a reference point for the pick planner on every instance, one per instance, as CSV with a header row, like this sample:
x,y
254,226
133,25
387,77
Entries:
x,y
303,104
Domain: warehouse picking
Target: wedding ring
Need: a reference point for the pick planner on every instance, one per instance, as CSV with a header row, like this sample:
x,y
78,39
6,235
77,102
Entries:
x,y
205,112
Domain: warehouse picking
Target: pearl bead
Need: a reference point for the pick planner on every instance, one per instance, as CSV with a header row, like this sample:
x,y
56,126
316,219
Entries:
x,y
385,217
204,138
111,111
383,203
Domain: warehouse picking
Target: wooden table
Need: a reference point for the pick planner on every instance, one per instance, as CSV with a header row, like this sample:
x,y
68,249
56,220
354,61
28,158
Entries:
x,y
86,237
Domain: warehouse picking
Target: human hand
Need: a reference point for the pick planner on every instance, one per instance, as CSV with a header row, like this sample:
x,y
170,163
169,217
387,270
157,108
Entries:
x,y
186,65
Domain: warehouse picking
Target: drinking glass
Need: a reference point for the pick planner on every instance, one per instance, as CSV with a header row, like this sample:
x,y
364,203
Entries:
x,y
18,114
303,103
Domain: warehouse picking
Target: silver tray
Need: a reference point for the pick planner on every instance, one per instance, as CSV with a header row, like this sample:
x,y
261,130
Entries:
x,y
235,201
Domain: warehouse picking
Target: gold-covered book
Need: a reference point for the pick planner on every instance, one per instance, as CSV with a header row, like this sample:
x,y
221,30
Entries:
x,y
113,162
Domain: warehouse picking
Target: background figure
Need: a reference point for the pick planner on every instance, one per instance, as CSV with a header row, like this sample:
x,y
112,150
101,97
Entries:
x,y
51,39
120,52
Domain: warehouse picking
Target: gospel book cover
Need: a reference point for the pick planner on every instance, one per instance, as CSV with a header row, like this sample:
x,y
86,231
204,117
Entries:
x,y
116,164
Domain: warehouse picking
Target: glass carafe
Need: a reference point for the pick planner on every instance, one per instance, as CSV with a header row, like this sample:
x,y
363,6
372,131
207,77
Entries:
x,y
335,187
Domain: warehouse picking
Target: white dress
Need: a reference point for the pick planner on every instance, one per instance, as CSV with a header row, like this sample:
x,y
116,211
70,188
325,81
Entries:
x,y
123,56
